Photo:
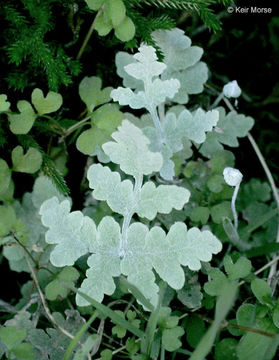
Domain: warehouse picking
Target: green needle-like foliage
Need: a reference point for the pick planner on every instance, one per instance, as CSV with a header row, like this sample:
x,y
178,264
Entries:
x,y
29,23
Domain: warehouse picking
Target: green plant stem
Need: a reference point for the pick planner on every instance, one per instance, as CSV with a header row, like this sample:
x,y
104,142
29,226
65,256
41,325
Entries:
x,y
47,311
218,99
266,266
106,311
86,39
152,322
76,126
25,249
137,294
58,126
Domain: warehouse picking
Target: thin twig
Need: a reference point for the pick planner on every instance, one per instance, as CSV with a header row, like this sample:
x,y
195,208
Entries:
x,y
266,266
86,39
47,311
225,324
99,339
248,329
75,126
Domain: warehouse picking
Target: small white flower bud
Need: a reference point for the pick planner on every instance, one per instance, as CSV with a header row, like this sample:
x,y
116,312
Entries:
x,y
232,89
233,177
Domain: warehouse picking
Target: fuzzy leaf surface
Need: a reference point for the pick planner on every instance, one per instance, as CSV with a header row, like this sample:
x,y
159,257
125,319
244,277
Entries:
x,y
165,253
121,60
147,65
155,94
182,62
177,49
130,151
45,105
108,186
104,264
146,68
161,199
73,233
196,125
232,126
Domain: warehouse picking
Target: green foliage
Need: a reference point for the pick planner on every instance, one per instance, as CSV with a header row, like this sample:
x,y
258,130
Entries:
x,y
231,127
29,23
122,250
201,7
112,15
136,237
29,162
59,286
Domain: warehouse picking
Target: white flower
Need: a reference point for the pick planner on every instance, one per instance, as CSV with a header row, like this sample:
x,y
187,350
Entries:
x,y
232,89
233,177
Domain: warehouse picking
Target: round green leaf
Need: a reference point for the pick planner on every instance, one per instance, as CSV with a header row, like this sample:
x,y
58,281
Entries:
x,y
11,336
28,163
5,176
4,105
88,140
240,269
9,193
262,291
195,329
226,349
94,4
126,30
102,25
24,351
201,214
91,93
23,122
216,183
55,289
7,218
218,212
107,118
106,354
170,338
115,10
245,315
58,287
52,102
220,160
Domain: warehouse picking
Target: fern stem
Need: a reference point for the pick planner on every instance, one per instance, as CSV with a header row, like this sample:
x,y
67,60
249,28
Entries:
x,y
86,39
